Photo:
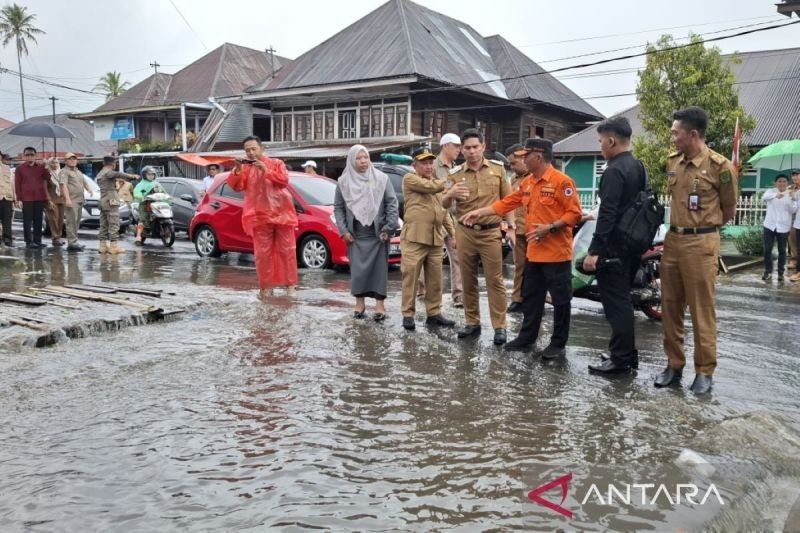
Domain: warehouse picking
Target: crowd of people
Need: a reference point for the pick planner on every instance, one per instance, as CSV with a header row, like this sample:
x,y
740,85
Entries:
x,y
466,211
469,209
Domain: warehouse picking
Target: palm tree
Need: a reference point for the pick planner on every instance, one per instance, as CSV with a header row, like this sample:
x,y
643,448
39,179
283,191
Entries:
x,y
112,85
15,23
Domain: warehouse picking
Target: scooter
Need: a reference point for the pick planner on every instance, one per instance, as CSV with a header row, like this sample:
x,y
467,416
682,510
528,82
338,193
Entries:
x,y
646,286
161,224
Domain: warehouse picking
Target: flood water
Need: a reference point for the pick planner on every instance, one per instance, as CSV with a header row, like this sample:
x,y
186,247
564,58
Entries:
x,y
291,415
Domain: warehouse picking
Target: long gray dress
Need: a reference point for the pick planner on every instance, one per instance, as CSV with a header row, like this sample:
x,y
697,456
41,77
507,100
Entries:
x,y
369,263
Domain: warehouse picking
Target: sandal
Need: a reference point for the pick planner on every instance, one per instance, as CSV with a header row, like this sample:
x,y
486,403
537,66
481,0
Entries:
x,y
359,314
379,317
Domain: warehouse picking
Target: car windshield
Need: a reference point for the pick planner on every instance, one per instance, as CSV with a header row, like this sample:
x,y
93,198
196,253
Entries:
x,y
315,191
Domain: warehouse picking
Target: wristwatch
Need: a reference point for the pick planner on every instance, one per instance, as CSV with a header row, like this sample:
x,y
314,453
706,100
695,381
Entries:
x,y
553,228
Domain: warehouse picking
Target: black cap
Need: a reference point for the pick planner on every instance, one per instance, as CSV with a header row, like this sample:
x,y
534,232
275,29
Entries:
x,y
109,159
544,146
421,154
796,171
513,149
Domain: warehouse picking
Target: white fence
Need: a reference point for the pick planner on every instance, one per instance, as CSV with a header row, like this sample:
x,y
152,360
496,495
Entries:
x,y
750,210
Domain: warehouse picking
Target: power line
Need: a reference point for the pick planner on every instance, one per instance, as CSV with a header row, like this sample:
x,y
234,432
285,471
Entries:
x,y
190,26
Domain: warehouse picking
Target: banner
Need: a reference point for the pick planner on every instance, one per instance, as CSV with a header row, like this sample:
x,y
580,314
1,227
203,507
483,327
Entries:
x,y
114,129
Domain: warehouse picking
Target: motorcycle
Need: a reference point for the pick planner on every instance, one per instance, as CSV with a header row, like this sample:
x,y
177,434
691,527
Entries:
x,y
161,225
646,286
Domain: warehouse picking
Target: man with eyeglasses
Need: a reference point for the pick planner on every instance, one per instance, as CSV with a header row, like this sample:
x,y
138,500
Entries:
x,y
30,183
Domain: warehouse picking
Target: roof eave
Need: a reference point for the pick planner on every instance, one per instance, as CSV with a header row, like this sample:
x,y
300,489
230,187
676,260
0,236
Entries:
x,y
128,111
276,93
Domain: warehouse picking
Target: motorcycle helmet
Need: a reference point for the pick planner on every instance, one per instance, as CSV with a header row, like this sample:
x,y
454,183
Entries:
x,y
147,170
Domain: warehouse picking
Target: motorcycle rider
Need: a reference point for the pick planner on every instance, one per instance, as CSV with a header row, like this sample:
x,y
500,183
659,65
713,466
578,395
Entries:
x,y
622,180
148,185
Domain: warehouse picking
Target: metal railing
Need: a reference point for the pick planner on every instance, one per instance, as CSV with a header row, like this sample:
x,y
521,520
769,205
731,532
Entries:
x,y
750,210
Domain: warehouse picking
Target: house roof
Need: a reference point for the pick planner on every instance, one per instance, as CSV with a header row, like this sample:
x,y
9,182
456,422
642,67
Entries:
x,y
401,39
4,123
768,83
83,143
225,71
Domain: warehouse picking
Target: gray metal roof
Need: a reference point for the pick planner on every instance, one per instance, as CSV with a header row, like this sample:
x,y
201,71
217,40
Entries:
x,y
83,144
768,82
225,71
401,38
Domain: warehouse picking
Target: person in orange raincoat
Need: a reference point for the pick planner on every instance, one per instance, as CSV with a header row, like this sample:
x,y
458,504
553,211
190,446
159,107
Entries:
x,y
268,216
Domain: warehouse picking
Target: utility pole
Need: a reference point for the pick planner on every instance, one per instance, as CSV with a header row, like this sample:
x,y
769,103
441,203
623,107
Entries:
x,y
53,100
271,52
155,65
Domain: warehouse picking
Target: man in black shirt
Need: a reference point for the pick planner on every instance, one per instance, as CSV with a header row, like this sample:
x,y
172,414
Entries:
x,y
623,178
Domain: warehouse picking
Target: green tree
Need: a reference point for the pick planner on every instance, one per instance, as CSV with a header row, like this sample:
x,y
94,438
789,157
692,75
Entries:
x,y
16,24
112,85
678,78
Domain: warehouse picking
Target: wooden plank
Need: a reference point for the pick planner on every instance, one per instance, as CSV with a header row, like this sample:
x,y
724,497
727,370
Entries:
x,y
50,301
746,264
24,300
92,288
27,324
155,293
101,298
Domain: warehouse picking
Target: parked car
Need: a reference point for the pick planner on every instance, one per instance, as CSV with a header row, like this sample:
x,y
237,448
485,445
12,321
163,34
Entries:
x,y
217,224
186,194
395,173
90,217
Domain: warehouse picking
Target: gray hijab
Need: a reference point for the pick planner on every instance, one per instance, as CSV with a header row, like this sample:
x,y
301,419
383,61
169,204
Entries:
x,y
362,193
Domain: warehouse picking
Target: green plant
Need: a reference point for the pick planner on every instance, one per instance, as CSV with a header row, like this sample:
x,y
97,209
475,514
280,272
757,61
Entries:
x,y
750,241
17,25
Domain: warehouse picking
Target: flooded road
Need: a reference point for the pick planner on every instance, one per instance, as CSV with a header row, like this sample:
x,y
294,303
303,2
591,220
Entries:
x,y
292,415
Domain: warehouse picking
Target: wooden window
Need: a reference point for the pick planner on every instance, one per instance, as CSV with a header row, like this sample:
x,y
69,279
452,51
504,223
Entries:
x,y
365,122
302,127
287,127
277,128
402,120
329,125
347,124
375,122
318,116
388,121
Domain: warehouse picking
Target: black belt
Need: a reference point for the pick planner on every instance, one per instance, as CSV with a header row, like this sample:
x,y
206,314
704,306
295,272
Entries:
x,y
481,227
693,231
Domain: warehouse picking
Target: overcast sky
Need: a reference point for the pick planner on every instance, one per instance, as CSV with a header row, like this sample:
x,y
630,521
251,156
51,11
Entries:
x,y
86,38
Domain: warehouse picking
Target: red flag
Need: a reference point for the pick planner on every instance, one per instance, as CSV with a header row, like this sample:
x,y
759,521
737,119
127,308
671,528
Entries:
x,y
737,139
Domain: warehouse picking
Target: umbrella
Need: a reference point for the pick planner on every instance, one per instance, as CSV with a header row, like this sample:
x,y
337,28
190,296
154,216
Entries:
x,y
41,129
783,155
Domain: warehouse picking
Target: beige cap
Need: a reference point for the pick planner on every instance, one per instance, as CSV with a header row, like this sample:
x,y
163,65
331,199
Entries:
x,y
70,155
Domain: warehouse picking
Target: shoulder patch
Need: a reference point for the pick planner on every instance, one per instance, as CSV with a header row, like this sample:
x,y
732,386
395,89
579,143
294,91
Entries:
x,y
725,176
496,162
717,158
568,190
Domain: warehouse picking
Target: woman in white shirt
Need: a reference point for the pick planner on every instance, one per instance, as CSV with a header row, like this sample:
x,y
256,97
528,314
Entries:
x,y
777,223
796,225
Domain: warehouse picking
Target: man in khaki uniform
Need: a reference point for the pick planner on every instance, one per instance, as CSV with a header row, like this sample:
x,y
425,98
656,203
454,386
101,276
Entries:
x,y
422,238
72,185
8,199
449,150
520,171
109,206
703,189
55,204
479,183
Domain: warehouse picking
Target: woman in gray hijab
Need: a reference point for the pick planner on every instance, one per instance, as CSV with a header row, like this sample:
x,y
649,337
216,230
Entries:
x,y
366,214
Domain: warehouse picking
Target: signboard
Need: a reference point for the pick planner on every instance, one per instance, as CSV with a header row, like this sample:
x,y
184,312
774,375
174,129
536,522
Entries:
x,y
114,129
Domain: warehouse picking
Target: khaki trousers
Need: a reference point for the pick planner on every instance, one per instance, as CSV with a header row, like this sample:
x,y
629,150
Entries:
x,y
456,289
520,259
483,247
415,258
688,276
55,219
109,224
73,216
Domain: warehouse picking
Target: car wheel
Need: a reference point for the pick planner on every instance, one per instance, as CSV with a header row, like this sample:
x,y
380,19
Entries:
x,y
206,243
314,252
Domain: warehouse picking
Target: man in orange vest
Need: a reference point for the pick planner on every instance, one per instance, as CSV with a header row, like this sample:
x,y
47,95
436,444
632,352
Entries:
x,y
552,209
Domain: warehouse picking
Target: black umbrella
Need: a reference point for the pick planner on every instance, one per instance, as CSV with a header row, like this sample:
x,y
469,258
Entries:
x,y
41,129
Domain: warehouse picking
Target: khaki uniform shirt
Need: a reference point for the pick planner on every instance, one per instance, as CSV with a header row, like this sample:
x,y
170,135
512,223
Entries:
x,y
712,177
107,181
424,219
73,181
125,191
7,191
519,213
486,186
441,171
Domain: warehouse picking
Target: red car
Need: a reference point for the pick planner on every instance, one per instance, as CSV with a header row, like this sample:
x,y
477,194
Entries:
x,y
217,224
